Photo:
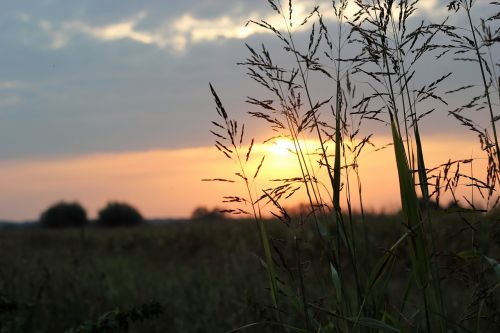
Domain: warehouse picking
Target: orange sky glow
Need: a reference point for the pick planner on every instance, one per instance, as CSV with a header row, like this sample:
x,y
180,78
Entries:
x,y
167,183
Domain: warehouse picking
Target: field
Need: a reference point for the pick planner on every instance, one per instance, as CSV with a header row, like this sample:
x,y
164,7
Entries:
x,y
201,274
206,276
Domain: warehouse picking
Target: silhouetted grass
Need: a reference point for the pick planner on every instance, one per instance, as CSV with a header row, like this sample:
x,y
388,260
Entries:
x,y
379,49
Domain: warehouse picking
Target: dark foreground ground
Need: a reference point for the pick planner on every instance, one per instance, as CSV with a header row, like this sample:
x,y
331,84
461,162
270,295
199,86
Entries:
x,y
206,276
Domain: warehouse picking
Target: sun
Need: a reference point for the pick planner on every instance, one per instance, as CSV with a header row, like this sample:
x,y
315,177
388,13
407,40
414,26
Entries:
x,y
282,159
282,147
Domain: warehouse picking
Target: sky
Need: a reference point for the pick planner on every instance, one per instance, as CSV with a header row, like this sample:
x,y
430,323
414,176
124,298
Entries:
x,y
109,100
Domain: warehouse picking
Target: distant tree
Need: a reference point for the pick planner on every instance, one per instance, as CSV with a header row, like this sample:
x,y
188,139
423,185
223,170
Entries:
x,y
64,214
300,211
203,213
455,206
117,214
432,205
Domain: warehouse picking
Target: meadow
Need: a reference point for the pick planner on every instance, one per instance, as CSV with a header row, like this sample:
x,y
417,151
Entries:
x,y
199,273
206,276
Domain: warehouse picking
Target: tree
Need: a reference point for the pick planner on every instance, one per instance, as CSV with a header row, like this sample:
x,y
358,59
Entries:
x,y
117,214
64,214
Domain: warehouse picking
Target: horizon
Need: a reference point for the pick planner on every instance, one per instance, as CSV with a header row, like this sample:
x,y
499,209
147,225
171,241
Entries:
x,y
148,178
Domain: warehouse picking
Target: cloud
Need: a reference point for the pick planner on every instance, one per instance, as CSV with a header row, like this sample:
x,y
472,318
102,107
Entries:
x,y
198,30
176,35
122,30
109,73
187,29
9,100
62,34
7,85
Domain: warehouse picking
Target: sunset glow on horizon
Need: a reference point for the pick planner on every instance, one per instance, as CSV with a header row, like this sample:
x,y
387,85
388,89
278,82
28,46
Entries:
x,y
167,183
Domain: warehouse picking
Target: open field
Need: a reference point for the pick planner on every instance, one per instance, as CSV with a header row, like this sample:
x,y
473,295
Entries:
x,y
206,275
198,272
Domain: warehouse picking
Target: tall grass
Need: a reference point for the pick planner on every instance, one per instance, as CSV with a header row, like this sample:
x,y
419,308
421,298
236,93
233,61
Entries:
x,y
380,48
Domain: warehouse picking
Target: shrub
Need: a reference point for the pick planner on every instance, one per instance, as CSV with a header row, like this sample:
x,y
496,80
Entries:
x,y
205,214
117,214
64,214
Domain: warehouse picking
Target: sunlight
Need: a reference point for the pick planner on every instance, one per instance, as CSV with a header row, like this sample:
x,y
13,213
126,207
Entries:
x,y
282,147
281,157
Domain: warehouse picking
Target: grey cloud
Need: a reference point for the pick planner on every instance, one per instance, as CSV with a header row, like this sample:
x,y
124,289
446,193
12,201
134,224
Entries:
x,y
167,25
93,96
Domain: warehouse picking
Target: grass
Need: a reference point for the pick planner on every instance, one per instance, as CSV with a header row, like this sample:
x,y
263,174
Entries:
x,y
69,279
379,48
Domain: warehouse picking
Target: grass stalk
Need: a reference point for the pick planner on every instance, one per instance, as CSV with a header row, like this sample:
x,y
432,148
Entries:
x,y
468,9
233,136
302,286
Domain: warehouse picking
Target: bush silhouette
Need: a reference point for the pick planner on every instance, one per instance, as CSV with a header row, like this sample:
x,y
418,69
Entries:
x,y
117,214
203,213
64,214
